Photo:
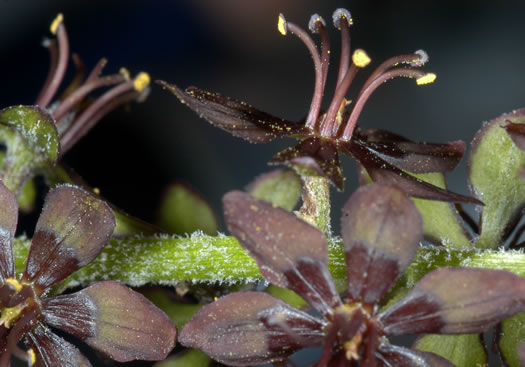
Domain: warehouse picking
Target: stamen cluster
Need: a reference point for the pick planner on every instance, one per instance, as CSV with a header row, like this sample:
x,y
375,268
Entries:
x,y
330,124
74,115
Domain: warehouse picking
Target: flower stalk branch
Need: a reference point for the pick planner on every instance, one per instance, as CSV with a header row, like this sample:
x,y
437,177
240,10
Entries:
x,y
220,259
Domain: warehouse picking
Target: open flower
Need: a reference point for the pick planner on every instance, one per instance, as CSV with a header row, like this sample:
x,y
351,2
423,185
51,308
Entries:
x,y
386,156
72,230
73,113
36,136
381,230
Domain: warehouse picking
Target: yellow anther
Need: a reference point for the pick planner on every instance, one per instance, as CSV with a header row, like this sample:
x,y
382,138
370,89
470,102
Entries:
x,y
96,190
32,357
15,283
360,58
352,347
11,314
341,112
56,22
281,25
426,79
125,73
141,81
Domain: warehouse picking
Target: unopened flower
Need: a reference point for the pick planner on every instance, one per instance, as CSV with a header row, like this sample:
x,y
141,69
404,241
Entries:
x,y
381,230
386,156
72,230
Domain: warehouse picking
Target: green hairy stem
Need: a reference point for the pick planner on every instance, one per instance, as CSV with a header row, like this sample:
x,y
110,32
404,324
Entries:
x,y
201,259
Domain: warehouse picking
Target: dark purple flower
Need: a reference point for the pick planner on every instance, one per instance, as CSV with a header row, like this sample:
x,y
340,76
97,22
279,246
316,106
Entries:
x,y
72,230
37,136
381,230
74,114
386,156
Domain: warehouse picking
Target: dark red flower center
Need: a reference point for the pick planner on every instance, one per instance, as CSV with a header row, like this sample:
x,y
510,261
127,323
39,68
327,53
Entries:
x,y
20,307
352,332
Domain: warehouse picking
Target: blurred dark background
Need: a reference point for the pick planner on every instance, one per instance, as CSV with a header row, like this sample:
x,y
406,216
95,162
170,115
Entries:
x,y
232,46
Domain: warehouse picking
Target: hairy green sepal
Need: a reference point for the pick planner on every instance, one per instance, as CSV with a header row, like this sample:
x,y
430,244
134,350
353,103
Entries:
x,y
187,358
494,174
183,211
32,142
463,350
280,187
511,335
441,223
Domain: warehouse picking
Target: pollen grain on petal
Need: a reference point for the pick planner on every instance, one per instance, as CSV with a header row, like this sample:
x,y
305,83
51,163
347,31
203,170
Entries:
x,y
281,25
141,81
56,22
360,58
426,79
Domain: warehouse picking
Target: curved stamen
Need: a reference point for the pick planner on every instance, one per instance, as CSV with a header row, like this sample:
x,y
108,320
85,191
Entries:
x,y
417,59
58,28
93,120
318,25
78,77
51,45
283,26
371,344
74,98
366,92
103,105
328,344
22,326
97,70
359,60
5,294
342,21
